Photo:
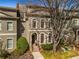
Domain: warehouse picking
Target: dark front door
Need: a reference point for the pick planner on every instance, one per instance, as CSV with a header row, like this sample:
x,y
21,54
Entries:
x,y
34,37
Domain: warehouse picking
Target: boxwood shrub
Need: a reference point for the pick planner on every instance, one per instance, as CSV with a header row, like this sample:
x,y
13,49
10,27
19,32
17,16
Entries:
x,y
47,46
22,45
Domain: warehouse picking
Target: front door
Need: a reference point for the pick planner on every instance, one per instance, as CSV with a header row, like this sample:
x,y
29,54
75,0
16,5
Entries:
x,y
34,37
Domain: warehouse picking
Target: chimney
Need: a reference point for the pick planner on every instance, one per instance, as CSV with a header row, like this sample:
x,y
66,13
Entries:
x,y
17,6
17,10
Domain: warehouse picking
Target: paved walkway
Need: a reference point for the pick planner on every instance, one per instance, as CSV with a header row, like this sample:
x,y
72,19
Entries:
x,y
35,48
77,57
37,55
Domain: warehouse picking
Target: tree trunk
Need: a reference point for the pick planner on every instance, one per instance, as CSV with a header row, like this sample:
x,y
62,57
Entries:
x,y
54,48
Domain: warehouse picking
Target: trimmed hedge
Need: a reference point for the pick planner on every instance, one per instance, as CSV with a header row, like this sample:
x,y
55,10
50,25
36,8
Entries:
x,y
22,45
47,46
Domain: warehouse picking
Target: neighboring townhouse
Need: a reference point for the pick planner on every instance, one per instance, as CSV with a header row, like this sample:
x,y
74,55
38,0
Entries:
x,y
34,24
8,28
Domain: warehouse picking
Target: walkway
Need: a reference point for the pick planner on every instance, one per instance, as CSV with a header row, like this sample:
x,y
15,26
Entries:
x,y
36,52
37,55
77,57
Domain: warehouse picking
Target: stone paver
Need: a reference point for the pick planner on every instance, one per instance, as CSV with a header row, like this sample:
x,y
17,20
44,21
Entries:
x,y
77,57
37,55
35,48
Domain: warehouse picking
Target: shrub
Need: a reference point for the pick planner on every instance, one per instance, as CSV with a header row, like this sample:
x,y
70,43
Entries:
x,y
3,53
22,45
47,46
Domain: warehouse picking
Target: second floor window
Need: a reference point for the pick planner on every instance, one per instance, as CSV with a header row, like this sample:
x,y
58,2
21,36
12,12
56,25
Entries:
x,y
49,24
0,26
10,26
42,23
34,23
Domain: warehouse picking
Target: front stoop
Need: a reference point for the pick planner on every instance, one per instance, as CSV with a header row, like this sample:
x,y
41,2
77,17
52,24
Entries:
x,y
37,55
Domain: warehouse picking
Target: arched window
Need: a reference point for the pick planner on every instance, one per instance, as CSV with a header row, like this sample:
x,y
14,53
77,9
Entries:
x,y
42,38
49,24
42,23
50,36
34,23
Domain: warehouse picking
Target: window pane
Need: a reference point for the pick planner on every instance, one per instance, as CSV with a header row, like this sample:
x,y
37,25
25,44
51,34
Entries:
x,y
42,38
42,23
9,43
49,24
0,26
50,35
78,32
10,26
34,23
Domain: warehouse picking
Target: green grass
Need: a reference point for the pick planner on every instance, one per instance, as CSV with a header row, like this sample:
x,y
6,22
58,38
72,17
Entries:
x,y
59,55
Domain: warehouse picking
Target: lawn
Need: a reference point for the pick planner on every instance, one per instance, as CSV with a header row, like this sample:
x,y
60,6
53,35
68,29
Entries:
x,y
59,55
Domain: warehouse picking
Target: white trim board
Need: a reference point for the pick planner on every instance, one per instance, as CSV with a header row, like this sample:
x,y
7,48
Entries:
x,y
8,34
40,30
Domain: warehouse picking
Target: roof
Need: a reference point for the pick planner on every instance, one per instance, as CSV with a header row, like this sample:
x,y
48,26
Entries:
x,y
7,9
7,12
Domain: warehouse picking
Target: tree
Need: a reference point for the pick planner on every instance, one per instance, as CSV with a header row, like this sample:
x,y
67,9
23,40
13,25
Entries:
x,y
60,17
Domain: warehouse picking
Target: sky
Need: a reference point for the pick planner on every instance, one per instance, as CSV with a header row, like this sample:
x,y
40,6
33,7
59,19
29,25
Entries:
x,y
12,3
8,3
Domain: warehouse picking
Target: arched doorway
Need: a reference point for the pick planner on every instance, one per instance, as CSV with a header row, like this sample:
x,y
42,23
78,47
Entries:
x,y
34,37
35,46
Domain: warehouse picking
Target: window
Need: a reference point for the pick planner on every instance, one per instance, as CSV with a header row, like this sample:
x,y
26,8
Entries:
x,y
0,40
0,26
34,23
49,24
42,38
78,32
42,23
75,21
50,36
9,43
10,26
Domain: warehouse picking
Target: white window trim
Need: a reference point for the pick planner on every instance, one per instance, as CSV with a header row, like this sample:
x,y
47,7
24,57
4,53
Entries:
x,y
48,38
32,23
12,24
7,43
44,24
40,38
